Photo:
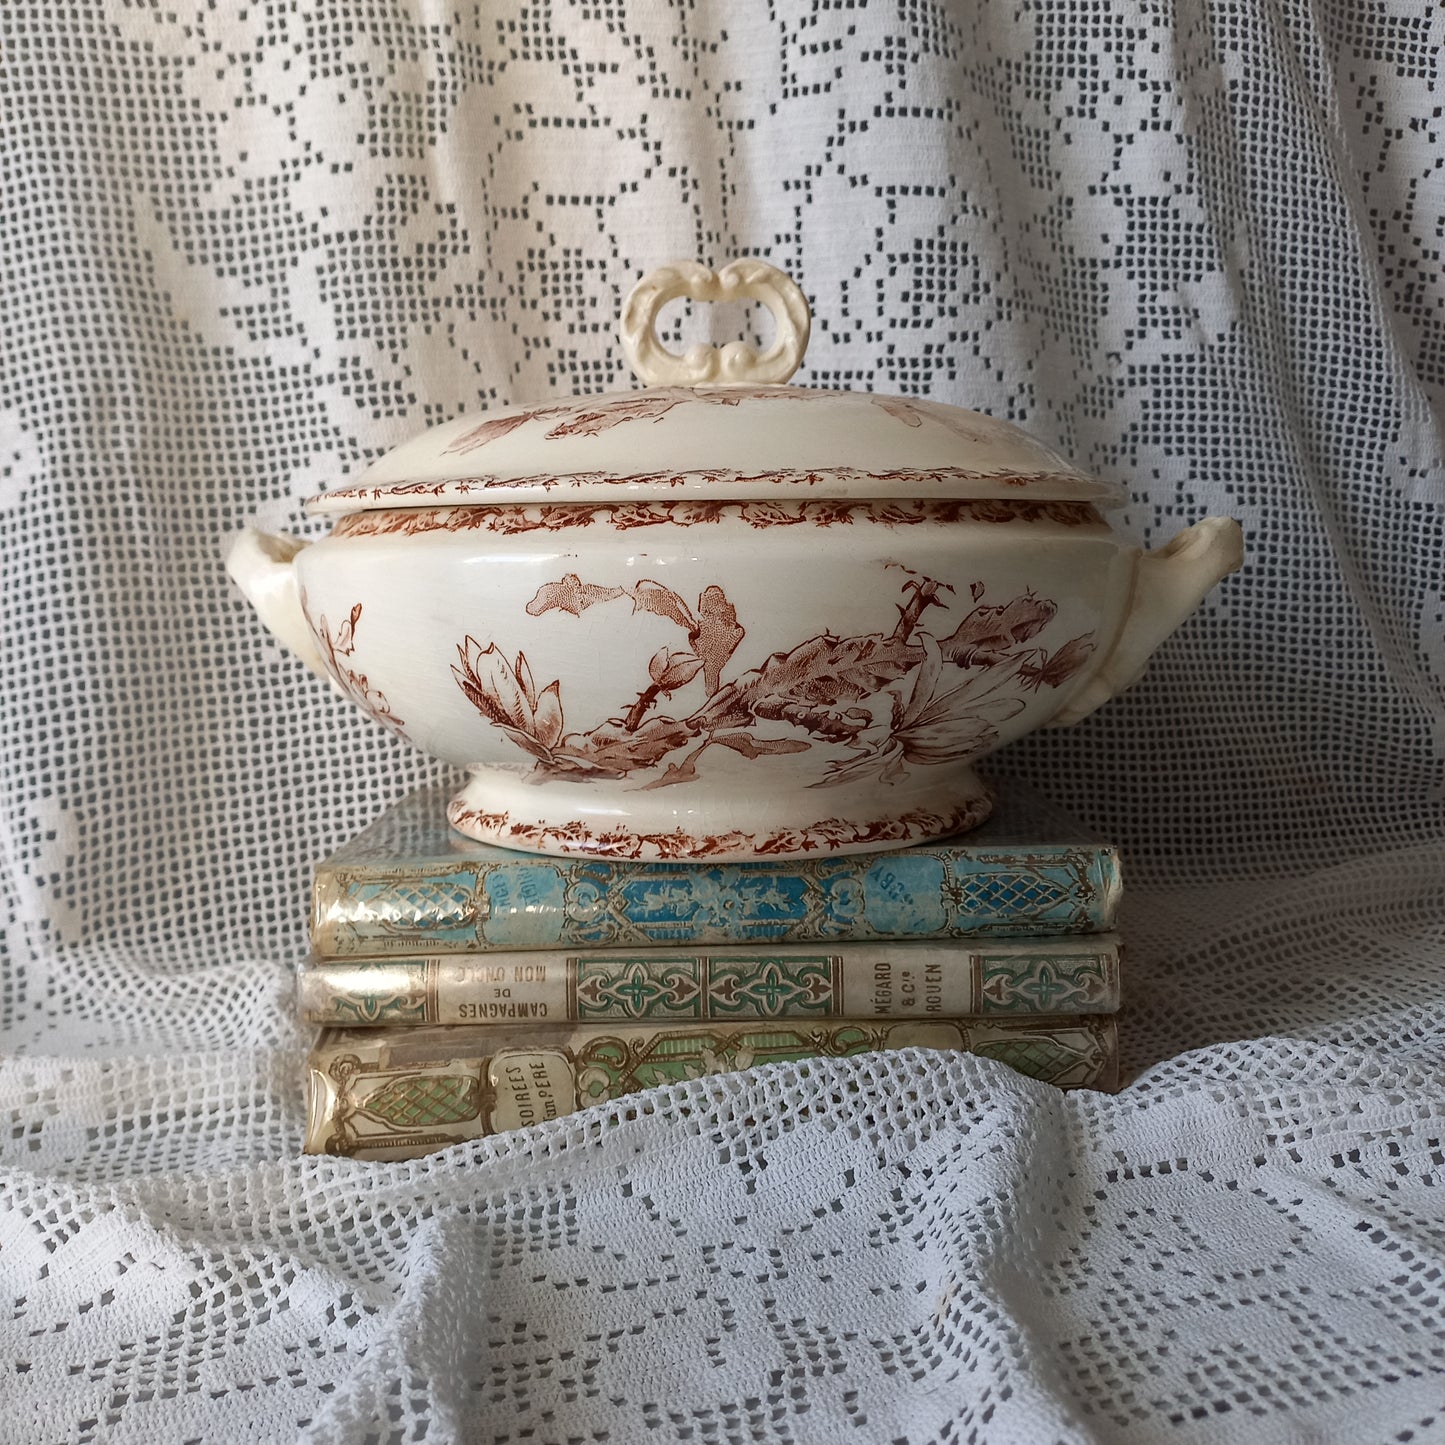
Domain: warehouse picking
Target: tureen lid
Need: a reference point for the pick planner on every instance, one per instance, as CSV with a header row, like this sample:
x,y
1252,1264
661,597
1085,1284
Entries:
x,y
717,423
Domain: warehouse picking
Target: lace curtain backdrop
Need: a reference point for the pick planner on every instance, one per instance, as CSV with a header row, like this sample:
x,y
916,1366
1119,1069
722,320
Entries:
x,y
1196,246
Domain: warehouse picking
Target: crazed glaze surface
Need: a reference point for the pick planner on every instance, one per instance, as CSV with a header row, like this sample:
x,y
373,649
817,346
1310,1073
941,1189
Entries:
x,y
723,622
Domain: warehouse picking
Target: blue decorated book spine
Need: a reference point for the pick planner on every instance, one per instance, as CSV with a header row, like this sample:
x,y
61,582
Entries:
x,y
408,886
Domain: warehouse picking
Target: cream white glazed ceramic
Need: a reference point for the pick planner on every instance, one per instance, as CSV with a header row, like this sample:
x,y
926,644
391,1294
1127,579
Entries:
x,y
725,619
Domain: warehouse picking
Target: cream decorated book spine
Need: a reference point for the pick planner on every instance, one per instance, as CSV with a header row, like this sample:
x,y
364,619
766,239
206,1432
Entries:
x,y
402,1093
1067,974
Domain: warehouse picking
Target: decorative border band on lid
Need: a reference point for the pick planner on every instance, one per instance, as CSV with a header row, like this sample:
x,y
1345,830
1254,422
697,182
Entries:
x,y
723,484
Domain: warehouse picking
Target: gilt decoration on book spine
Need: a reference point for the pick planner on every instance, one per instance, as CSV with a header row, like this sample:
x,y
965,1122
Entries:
x,y
525,902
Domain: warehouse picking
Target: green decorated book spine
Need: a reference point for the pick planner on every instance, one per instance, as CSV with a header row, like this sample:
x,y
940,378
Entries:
x,y
1001,977
408,886
402,1093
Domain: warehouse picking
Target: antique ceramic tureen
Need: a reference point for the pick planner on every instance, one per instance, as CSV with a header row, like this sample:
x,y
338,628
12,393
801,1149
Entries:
x,y
723,617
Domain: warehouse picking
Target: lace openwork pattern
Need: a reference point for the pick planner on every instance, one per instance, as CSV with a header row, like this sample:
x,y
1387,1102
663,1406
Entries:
x,y
250,248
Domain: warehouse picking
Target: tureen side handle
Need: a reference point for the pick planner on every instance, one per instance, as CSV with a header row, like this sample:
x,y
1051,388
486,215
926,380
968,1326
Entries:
x,y
1168,585
262,565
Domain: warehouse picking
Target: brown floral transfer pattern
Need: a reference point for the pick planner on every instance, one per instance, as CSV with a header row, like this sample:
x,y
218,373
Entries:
x,y
509,520
584,416
920,480
338,646
822,836
945,695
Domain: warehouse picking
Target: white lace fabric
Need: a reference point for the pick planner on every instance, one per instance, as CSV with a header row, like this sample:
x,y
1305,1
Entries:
x,y
247,249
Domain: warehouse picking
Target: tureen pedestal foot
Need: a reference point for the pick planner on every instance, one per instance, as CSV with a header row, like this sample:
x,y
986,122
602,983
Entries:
x,y
569,820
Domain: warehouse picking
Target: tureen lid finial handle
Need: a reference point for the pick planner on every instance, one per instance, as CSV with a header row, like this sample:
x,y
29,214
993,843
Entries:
x,y
747,279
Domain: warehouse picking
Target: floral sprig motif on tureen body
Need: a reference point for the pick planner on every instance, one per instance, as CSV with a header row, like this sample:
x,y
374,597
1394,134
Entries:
x,y
944,694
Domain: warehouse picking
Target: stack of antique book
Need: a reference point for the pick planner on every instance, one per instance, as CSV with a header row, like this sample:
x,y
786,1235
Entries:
x,y
463,989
